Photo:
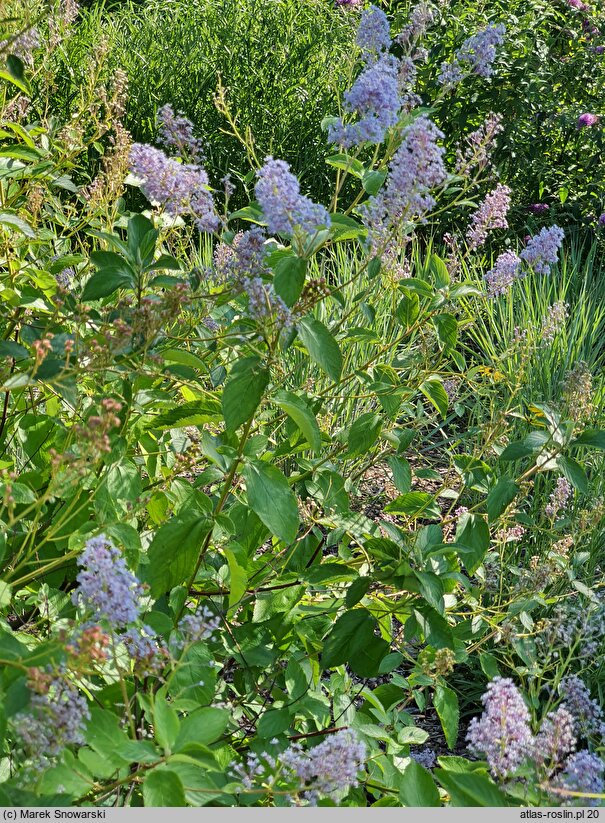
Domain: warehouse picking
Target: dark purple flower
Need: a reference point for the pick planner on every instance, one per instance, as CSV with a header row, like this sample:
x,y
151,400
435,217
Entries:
x,y
601,220
538,208
586,120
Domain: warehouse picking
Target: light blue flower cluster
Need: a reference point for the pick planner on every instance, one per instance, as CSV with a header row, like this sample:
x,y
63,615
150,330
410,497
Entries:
x,y
284,207
542,250
107,589
181,189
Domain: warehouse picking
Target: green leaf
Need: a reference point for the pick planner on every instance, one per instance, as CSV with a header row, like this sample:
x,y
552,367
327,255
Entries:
x,y
16,222
163,787
124,481
433,390
300,412
346,163
350,632
489,665
351,635
195,413
446,705
594,438
431,588
573,472
142,238
357,590
417,787
322,347
15,74
5,594
415,504
111,260
501,496
201,728
243,391
402,473
408,309
174,551
273,723
447,330
166,261
165,723
238,578
289,278
104,282
8,348
472,541
272,499
471,789
364,433
373,180
440,271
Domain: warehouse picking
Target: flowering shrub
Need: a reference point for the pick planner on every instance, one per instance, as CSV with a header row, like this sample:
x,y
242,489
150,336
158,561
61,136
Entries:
x,y
253,534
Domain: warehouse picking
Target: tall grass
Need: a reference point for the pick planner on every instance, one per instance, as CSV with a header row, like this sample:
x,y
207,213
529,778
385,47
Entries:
x,y
284,66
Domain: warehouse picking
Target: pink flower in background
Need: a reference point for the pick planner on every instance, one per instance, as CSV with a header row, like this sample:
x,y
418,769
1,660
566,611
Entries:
x,y
586,120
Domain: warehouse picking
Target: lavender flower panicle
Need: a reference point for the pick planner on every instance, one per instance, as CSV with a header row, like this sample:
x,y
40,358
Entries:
x,y
556,738
583,773
491,214
22,46
559,497
57,718
374,98
586,712
373,34
176,132
503,733
243,258
416,168
505,271
420,18
553,322
479,50
181,189
147,652
284,207
200,625
542,249
329,769
107,588
425,757
264,304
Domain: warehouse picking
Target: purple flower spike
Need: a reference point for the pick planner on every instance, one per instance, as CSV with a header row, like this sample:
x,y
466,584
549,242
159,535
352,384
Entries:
x,y
502,733
284,207
107,588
